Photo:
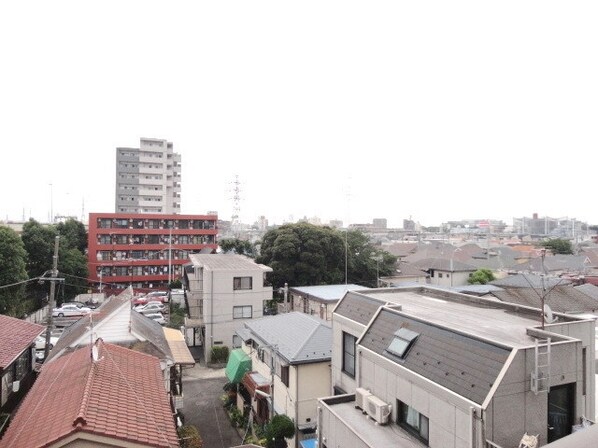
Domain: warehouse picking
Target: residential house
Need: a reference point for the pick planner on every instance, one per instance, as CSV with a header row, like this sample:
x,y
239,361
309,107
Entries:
x,y
117,323
423,366
290,359
318,300
223,292
17,359
98,395
446,271
405,273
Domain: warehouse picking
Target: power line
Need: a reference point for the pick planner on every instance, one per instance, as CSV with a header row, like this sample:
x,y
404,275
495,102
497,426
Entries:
x,y
20,283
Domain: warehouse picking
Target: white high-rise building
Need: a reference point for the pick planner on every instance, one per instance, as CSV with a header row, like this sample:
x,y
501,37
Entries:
x,y
148,178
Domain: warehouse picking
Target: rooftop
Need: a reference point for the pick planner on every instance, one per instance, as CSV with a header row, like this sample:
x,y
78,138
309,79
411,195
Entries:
x,y
500,323
15,336
226,262
75,396
326,293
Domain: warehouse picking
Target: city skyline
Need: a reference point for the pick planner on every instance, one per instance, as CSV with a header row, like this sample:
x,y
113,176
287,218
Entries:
x,y
433,112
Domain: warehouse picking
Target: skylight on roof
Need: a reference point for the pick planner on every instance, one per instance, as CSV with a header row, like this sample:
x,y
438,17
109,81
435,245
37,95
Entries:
x,y
400,344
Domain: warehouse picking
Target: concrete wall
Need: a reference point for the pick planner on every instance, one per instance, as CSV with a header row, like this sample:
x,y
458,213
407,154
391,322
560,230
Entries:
x,y
313,382
337,434
341,380
312,307
448,413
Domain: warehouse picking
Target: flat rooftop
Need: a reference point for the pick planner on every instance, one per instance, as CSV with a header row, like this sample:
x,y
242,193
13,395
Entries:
x,y
390,435
487,319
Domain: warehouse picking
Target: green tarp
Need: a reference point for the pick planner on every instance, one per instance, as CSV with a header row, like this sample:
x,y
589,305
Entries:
x,y
238,364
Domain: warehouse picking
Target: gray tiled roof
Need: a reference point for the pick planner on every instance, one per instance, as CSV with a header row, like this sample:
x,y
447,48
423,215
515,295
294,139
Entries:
x,y
326,293
152,332
589,290
358,308
226,262
562,299
463,364
298,337
528,281
444,264
555,263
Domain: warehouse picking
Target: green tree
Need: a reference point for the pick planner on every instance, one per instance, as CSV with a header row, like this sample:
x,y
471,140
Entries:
x,y
481,277
13,259
39,244
302,254
238,246
558,246
73,234
280,428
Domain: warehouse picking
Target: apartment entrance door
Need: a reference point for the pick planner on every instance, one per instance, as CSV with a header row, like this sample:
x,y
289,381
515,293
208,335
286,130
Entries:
x,y
561,405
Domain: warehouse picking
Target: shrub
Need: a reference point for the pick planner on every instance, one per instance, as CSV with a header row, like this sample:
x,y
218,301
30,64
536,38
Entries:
x,y
189,437
280,427
219,353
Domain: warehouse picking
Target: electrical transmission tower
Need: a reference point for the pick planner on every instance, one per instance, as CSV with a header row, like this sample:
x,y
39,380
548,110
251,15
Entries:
x,y
235,222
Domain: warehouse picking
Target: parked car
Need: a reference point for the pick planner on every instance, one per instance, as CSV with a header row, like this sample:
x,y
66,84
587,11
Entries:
x,y
158,317
70,310
149,305
149,309
158,295
80,305
40,342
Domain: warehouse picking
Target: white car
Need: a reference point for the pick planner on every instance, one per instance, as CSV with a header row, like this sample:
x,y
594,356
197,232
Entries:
x,y
150,308
70,310
158,317
40,342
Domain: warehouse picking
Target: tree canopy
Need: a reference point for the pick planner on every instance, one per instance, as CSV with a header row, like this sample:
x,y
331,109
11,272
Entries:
x,y
481,277
238,246
303,254
13,258
558,246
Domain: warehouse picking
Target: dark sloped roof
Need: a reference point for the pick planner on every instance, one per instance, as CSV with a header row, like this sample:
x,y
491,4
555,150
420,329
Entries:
x,y
444,264
589,290
555,263
15,336
358,308
463,364
562,299
152,332
528,281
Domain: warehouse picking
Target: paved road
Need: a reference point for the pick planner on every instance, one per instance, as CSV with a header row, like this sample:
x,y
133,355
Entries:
x,y
203,408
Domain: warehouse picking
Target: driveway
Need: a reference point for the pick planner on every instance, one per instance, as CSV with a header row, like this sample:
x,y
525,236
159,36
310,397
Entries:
x,y
202,388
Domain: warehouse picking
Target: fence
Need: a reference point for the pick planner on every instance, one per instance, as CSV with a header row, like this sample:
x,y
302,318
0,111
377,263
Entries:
x,y
38,316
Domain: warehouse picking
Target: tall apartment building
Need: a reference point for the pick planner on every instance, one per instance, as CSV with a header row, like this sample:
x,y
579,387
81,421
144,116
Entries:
x,y
145,250
148,178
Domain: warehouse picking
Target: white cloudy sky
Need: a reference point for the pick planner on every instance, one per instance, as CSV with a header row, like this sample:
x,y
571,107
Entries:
x,y
344,110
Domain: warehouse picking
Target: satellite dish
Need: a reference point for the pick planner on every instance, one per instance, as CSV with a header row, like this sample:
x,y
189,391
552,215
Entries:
x,y
548,317
94,353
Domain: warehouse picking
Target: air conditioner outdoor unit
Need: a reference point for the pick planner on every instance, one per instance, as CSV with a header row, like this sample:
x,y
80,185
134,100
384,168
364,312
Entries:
x,y
378,410
360,395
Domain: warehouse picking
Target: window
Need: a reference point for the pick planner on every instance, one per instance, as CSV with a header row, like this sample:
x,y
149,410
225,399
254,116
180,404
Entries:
x,y
349,342
105,239
121,270
402,341
122,239
284,375
440,275
105,223
242,312
22,365
242,283
413,421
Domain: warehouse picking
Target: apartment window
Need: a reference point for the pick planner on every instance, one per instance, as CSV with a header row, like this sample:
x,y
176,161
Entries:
x,y
153,223
242,312
137,254
137,270
153,239
242,283
121,223
183,239
183,224
440,275
121,271
22,365
284,375
103,255
122,239
349,342
105,223
414,422
105,239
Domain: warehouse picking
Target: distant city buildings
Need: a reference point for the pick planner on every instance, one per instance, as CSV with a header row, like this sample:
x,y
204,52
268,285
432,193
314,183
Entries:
x,y
557,227
148,178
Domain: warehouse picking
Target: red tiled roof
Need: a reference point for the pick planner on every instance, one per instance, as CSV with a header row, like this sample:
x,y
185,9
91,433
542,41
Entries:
x,y
15,336
120,396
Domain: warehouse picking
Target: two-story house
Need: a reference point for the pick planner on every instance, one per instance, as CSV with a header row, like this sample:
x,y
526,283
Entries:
x,y
290,359
223,292
318,300
421,366
17,359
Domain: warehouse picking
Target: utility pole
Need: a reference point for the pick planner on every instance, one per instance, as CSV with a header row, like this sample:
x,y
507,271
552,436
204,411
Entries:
x,y
52,292
286,292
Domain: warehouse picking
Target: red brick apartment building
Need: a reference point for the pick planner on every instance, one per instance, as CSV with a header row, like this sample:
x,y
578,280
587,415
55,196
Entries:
x,y
133,249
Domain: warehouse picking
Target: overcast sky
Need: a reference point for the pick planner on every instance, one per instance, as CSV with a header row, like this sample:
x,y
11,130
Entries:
x,y
435,110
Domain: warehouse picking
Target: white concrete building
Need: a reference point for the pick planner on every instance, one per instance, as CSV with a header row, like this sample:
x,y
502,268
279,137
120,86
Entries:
x,y
223,292
447,370
148,178
291,352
